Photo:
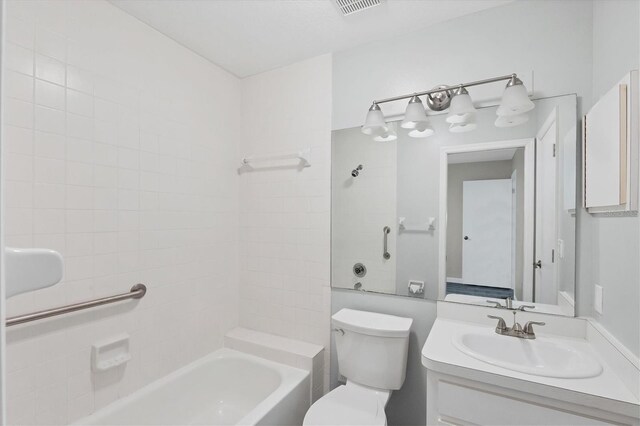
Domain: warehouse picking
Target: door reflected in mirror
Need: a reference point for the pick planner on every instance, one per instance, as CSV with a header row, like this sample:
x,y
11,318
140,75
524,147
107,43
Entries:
x,y
485,223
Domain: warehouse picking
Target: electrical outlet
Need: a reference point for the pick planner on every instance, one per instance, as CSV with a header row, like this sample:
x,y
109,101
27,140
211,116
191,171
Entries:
x,y
597,299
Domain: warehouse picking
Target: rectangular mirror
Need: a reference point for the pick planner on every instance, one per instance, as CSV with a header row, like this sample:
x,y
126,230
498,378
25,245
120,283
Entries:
x,y
471,217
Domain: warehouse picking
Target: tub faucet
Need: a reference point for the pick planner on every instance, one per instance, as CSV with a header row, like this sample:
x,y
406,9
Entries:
x,y
516,330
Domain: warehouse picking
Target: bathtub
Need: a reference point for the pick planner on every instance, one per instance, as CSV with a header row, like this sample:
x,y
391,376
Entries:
x,y
226,387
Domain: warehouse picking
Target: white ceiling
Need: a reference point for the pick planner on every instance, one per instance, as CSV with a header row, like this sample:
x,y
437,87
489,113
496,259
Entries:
x,y
247,37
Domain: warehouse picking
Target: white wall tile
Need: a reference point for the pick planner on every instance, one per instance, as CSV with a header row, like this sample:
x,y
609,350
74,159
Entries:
x,y
50,95
18,113
17,58
50,69
19,86
80,173
284,253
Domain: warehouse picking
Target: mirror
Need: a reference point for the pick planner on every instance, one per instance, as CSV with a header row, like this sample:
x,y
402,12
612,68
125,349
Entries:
x,y
471,217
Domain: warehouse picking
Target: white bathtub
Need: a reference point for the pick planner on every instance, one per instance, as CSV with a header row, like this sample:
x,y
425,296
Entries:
x,y
226,387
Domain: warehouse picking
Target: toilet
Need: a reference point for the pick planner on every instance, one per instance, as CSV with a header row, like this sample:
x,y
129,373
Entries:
x,y
372,354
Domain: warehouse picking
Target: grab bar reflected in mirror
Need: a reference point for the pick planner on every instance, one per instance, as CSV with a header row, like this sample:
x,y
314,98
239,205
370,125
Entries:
x,y
385,252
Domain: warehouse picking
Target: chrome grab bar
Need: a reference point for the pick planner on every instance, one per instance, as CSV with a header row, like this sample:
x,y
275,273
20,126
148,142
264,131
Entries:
x,y
385,252
137,292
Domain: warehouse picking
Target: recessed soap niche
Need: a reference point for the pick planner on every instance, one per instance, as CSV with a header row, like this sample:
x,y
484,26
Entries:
x,y
110,353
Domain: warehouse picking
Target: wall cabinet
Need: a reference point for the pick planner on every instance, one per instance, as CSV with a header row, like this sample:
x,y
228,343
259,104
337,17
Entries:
x,y
610,150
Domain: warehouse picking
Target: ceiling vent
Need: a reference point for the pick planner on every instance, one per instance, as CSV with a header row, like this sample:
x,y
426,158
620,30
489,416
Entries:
x,y
348,7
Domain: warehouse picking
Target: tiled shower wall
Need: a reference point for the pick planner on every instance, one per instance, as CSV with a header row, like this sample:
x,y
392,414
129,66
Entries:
x,y
120,151
285,210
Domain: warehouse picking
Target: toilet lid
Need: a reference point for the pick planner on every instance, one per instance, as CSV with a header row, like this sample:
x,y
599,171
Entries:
x,y
346,406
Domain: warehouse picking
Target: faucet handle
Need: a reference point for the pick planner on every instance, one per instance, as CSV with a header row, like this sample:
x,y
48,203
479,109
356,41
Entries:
x,y
495,303
528,327
502,326
523,307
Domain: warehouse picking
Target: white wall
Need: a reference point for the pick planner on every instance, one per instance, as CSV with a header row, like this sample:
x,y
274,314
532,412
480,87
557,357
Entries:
x,y
612,260
120,152
284,211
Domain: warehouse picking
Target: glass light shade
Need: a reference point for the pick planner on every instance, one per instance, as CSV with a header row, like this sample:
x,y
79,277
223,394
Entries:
x,y
515,100
374,123
463,127
511,120
387,136
414,114
422,130
461,109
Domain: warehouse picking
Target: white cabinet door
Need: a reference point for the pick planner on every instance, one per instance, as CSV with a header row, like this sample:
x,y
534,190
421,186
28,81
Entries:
x,y
611,149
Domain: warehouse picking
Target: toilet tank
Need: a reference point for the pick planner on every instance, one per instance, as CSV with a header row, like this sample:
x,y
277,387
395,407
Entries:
x,y
372,348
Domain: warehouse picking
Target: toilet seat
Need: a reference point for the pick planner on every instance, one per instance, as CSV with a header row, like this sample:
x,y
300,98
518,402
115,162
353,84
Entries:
x,y
346,405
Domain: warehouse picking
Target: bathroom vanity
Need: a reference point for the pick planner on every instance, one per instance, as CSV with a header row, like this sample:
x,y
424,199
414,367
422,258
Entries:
x,y
572,373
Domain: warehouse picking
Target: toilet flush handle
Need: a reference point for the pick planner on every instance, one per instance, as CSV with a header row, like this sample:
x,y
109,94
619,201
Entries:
x,y
339,330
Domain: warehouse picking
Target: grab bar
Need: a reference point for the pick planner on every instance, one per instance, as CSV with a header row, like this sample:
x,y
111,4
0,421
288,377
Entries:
x,y
385,232
137,292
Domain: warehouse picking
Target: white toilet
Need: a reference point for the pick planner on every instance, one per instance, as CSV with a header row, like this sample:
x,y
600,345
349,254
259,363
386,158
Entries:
x,y
372,354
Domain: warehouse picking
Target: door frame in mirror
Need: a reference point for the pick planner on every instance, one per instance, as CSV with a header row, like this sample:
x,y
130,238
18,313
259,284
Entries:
x,y
529,193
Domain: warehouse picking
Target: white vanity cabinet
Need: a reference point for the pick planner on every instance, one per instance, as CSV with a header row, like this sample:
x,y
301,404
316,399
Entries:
x,y
572,373
453,400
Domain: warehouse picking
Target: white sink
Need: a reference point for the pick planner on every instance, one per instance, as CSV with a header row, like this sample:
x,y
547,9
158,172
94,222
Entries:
x,y
542,356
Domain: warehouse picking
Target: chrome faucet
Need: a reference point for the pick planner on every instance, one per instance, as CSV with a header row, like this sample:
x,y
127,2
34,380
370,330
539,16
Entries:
x,y
516,330
508,304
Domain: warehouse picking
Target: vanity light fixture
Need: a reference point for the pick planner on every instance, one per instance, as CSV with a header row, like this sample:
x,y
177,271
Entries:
x,y
374,123
461,109
414,115
461,116
511,120
422,130
515,99
388,136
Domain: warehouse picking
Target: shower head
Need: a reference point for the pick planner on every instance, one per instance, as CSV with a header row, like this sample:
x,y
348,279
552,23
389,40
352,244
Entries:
x,y
355,172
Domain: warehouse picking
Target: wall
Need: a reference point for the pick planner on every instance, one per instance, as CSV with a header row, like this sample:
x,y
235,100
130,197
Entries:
x,y
521,36
285,210
119,152
458,173
612,260
360,208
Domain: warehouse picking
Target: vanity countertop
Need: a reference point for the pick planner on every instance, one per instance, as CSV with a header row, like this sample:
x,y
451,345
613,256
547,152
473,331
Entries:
x,y
606,390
